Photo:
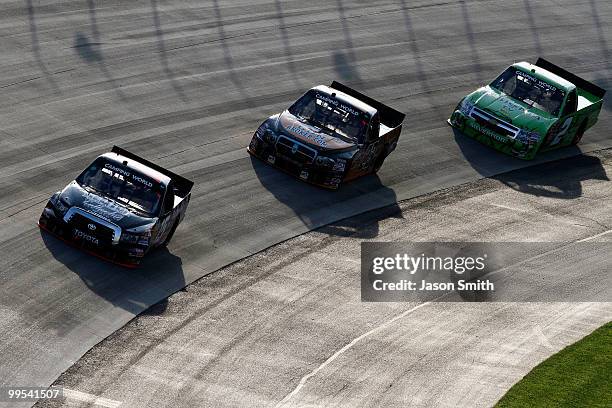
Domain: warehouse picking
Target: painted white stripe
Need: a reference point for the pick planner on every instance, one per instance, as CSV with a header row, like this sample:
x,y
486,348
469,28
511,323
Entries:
x,y
92,399
507,207
596,236
343,350
539,334
544,341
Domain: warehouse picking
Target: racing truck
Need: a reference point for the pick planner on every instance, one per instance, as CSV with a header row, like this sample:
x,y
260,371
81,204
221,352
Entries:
x,y
530,108
119,208
330,135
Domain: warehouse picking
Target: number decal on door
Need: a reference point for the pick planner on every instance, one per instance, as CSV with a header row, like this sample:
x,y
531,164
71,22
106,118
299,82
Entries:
x,y
562,131
370,155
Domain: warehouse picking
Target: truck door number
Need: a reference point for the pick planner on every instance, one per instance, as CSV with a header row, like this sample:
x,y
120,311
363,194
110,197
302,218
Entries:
x,y
562,131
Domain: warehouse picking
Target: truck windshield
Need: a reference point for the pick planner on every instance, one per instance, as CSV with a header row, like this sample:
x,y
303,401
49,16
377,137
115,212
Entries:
x,y
331,115
124,185
530,90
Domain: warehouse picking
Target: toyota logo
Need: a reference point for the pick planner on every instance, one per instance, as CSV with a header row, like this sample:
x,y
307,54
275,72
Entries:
x,y
92,227
294,149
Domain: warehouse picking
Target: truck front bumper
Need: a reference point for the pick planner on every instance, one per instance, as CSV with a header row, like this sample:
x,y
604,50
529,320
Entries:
x,y
308,172
501,143
121,254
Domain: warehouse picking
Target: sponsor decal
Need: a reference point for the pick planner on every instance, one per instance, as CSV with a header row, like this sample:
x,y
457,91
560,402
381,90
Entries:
x,y
117,169
136,252
307,134
488,132
561,132
142,181
340,165
508,107
78,234
105,209
520,75
128,174
338,104
369,155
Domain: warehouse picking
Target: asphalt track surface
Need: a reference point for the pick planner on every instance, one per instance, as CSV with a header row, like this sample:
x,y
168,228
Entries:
x,y
287,328
186,83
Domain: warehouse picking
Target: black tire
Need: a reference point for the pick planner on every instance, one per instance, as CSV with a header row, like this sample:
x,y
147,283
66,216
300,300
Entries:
x,y
170,235
579,134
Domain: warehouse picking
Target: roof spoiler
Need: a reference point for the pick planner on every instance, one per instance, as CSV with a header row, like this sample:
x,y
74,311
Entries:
x,y
181,184
576,80
388,116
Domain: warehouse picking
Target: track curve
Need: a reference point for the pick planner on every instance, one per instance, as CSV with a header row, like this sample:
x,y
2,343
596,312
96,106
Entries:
x,y
185,83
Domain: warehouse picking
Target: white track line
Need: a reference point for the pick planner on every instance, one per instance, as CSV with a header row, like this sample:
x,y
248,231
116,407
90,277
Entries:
x,y
596,236
92,399
505,207
544,341
342,351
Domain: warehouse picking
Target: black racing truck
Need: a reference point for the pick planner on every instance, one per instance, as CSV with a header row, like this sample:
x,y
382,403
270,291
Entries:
x,y
119,208
330,135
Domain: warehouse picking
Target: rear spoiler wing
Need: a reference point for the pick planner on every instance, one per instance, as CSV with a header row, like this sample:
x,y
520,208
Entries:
x,y
576,80
388,116
182,186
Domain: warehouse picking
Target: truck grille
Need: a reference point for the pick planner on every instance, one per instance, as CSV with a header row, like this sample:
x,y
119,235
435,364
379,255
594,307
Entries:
x,y
492,123
92,227
295,151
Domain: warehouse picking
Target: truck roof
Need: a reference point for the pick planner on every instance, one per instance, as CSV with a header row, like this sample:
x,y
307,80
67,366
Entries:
x,y
545,75
347,99
137,167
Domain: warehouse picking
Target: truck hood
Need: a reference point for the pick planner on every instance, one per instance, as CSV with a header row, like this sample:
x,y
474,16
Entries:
x,y
311,135
117,213
511,110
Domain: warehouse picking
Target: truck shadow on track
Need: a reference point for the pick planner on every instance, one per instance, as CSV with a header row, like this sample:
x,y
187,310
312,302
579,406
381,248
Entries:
x,y
545,176
133,290
317,207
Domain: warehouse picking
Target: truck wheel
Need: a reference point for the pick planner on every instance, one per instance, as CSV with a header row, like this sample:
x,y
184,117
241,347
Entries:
x,y
170,235
579,134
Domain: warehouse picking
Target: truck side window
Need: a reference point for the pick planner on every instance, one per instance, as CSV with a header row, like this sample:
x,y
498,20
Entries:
x,y
571,104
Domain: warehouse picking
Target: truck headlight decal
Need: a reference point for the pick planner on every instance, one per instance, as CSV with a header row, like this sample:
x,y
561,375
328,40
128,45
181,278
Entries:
x,y
527,137
325,161
340,165
58,205
139,235
466,107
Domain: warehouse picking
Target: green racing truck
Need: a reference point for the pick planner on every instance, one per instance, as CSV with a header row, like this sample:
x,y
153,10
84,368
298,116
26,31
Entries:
x,y
530,108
